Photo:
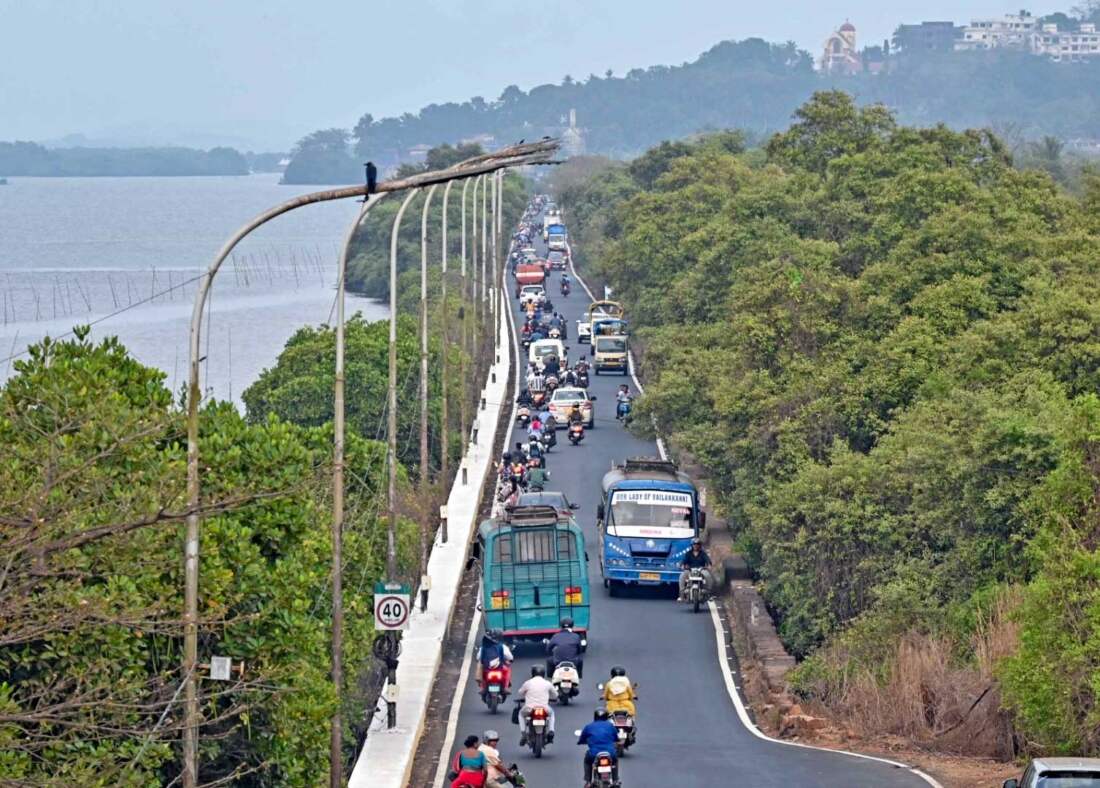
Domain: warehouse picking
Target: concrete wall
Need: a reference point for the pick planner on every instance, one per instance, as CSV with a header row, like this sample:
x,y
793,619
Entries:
x,y
387,755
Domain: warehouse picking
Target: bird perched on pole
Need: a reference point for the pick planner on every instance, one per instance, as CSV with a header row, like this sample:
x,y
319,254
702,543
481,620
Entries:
x,y
372,179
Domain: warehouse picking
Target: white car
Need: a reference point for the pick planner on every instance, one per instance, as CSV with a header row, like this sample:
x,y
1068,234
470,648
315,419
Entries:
x,y
562,402
536,293
542,349
584,326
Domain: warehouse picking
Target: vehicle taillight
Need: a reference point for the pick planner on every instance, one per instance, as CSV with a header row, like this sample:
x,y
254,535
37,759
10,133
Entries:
x,y
605,761
539,713
501,599
574,595
495,675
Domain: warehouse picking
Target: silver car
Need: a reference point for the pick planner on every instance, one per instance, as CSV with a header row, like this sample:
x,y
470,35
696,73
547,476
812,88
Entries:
x,y
1059,773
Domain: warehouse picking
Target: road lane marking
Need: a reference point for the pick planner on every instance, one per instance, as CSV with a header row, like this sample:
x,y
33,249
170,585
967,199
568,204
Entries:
x,y
456,702
746,720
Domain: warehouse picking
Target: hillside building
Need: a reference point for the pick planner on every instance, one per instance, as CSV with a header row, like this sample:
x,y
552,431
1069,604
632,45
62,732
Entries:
x,y
840,55
1069,45
1012,31
927,37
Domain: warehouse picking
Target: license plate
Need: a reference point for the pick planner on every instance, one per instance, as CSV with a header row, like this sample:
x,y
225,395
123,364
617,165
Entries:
x,y
494,689
622,734
539,723
649,576
603,769
567,685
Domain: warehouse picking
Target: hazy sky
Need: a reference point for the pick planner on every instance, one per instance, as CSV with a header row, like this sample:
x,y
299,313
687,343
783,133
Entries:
x,y
261,73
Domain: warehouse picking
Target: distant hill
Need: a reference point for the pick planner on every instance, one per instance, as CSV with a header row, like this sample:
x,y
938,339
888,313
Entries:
x,y
32,159
751,85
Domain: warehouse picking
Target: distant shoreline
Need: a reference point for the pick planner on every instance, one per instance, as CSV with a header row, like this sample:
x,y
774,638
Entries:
x,y
31,160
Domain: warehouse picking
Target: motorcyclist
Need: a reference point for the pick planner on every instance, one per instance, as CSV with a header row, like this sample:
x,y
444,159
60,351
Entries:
x,y
565,646
622,399
569,378
600,735
496,775
618,692
566,284
552,366
549,428
524,398
535,379
534,429
537,479
493,650
537,691
695,558
575,415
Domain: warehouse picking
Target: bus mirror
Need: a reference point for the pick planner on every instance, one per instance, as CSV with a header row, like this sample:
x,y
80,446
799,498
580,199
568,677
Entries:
x,y
600,512
702,520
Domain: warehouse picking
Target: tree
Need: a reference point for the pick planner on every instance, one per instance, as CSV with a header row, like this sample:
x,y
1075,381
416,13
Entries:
x,y
322,157
362,134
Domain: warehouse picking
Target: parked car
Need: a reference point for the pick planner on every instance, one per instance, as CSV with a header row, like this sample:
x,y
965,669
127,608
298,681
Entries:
x,y
1059,773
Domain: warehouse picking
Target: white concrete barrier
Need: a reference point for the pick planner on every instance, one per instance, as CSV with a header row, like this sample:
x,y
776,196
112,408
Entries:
x,y
387,756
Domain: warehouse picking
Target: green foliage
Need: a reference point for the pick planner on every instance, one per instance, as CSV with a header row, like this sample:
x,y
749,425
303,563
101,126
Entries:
x,y
881,342
299,388
369,265
92,499
323,157
756,85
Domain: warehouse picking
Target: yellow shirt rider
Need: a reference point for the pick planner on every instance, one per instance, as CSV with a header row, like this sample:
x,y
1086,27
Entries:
x,y
618,693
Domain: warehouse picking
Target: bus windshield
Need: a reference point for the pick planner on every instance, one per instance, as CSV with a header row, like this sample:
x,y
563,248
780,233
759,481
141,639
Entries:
x,y
651,509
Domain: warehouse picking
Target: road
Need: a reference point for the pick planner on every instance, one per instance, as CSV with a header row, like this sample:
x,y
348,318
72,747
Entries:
x,y
689,733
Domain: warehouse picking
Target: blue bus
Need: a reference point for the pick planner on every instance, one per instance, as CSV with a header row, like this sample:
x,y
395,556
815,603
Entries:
x,y
649,515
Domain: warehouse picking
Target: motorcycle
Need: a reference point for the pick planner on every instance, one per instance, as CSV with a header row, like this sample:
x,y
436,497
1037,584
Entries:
x,y
603,772
567,682
523,415
565,289
697,588
493,687
555,333
576,433
538,399
535,732
551,383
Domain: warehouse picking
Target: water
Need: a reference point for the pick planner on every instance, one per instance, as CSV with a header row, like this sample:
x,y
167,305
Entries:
x,y
77,250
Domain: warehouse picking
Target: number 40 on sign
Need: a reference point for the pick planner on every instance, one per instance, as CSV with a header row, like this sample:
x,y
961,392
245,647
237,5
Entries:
x,y
391,606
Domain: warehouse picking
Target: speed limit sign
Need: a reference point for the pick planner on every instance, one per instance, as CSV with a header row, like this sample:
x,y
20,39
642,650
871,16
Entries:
x,y
391,606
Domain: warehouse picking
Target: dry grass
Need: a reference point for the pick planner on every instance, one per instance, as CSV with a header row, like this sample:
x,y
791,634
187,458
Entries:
x,y
928,695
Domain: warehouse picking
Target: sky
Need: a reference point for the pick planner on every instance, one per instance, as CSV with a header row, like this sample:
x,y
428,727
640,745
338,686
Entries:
x,y
259,74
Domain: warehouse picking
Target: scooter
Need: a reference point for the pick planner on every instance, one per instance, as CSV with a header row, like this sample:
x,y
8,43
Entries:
x,y
576,433
622,410
624,724
566,681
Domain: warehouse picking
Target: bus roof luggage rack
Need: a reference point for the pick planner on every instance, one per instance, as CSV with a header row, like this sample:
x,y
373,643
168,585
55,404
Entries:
x,y
521,516
649,464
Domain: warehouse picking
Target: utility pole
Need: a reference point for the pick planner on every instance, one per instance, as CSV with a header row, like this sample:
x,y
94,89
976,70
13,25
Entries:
x,y
463,370
444,423
484,252
336,744
391,415
425,455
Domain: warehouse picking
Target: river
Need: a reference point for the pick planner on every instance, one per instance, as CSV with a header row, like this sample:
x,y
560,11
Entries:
x,y
126,251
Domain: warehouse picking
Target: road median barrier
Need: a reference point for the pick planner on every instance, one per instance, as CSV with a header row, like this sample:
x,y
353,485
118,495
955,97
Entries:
x,y
386,758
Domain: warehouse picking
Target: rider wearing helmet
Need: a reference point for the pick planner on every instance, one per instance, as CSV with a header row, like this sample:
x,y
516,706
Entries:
x,y
600,735
695,558
565,646
496,775
618,692
494,653
537,691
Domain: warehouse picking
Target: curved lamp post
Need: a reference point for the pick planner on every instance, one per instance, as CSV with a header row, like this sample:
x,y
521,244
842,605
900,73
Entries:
x,y
534,153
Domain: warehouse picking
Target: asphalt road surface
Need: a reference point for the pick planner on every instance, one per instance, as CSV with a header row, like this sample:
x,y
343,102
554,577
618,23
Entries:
x,y
689,733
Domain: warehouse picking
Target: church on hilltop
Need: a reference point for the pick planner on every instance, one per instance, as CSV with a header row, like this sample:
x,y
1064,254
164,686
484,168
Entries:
x,y
840,55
